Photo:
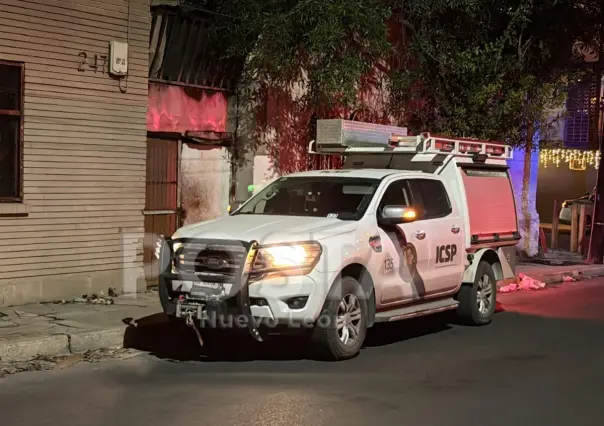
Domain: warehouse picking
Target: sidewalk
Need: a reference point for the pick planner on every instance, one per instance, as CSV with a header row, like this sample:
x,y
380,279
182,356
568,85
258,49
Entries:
x,y
72,327
137,322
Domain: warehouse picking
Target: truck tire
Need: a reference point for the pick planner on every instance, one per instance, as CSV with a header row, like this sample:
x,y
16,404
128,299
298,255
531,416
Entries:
x,y
341,328
477,301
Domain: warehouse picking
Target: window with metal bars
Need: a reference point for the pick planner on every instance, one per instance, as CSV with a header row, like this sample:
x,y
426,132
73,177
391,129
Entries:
x,y
576,129
11,135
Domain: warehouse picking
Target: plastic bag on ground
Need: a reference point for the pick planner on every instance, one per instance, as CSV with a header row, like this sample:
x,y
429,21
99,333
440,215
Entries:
x,y
523,282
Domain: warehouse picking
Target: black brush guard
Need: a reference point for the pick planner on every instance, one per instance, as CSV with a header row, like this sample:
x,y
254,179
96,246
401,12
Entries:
x,y
201,309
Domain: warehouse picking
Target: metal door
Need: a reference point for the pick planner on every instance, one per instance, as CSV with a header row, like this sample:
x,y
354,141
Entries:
x,y
161,206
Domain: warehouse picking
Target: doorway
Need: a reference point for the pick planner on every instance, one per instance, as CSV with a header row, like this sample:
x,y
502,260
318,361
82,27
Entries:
x,y
161,199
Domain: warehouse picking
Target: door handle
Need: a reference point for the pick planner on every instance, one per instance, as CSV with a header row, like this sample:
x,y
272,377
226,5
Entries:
x,y
420,235
455,229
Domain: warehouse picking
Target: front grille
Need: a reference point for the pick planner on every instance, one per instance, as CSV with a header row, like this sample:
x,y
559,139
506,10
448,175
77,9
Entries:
x,y
211,260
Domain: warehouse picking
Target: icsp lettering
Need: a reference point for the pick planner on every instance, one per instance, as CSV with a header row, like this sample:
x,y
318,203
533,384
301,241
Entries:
x,y
446,253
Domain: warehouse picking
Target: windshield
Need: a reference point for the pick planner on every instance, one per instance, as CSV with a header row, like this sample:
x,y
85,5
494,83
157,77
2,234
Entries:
x,y
319,196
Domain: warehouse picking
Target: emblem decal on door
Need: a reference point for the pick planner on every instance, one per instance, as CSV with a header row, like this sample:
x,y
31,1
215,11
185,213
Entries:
x,y
446,254
375,242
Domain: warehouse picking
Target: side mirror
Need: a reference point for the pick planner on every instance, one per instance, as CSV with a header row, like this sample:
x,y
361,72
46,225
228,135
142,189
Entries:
x,y
395,215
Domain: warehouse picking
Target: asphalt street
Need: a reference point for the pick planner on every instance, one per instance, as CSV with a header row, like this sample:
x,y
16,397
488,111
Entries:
x,y
539,363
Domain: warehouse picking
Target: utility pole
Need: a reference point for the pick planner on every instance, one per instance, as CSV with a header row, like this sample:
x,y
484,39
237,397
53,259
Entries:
x,y
596,241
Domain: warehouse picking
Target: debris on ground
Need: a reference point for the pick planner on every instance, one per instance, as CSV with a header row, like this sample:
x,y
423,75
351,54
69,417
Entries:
x,y
569,279
92,299
68,361
40,363
43,363
100,299
98,355
95,300
523,282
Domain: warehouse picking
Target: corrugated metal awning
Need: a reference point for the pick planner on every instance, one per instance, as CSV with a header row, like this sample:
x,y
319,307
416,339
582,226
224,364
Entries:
x,y
184,51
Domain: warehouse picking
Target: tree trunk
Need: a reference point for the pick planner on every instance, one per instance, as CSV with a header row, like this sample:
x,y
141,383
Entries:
x,y
235,153
526,184
233,185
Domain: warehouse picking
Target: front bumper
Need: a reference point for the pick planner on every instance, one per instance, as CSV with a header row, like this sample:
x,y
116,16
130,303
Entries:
x,y
293,302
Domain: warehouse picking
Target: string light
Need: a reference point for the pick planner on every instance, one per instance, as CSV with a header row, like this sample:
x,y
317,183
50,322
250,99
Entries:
x,y
577,159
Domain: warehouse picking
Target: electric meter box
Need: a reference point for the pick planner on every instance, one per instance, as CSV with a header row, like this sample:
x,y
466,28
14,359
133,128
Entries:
x,y
118,58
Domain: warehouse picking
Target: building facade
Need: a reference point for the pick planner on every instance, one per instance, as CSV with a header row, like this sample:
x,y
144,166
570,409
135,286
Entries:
x,y
191,124
73,102
571,172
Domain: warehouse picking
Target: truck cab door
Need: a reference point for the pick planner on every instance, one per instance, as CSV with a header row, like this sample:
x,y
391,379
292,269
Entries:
x,y
406,252
443,223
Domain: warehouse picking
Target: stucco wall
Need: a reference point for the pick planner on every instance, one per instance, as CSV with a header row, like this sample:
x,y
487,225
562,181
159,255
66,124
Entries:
x,y
205,182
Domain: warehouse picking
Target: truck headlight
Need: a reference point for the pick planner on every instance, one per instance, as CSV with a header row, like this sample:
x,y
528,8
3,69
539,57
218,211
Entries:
x,y
289,259
178,257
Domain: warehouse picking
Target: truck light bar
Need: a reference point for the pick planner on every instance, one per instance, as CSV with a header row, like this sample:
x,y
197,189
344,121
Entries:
x,y
404,141
343,137
468,147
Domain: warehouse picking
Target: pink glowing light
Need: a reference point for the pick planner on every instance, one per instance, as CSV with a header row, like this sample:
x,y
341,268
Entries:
x,y
179,109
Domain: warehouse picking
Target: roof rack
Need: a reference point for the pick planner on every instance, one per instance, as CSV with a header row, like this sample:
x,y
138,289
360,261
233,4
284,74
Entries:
x,y
346,137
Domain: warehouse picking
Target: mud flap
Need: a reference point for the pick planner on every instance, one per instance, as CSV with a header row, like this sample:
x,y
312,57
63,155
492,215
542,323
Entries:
x,y
507,255
243,296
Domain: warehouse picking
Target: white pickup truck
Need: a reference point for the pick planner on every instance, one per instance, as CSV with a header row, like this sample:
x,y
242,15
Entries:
x,y
412,225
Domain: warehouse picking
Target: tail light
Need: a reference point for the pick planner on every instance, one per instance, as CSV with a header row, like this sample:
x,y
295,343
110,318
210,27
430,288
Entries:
x,y
444,146
469,147
495,150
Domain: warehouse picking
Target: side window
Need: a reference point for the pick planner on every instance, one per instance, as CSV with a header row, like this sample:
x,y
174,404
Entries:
x,y
433,196
11,123
397,194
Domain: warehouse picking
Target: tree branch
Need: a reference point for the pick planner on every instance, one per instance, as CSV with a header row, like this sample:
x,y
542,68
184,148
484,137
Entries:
x,y
522,50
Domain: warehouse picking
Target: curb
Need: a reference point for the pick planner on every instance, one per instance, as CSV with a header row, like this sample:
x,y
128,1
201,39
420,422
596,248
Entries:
x,y
97,339
32,347
558,277
29,348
